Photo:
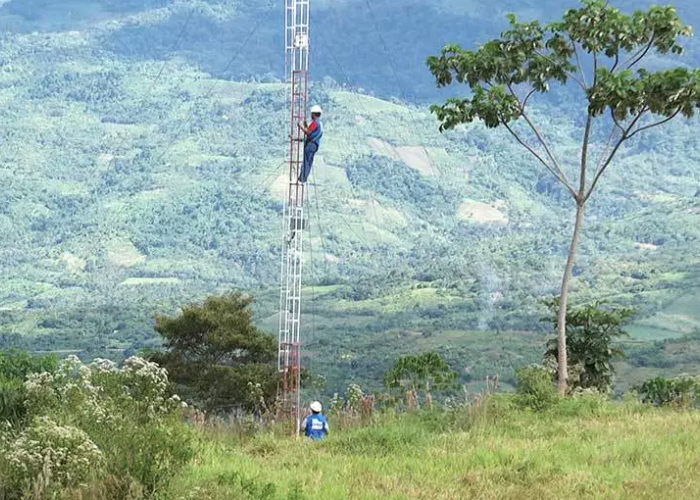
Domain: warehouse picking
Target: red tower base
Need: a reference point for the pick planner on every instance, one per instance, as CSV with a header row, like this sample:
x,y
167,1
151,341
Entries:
x,y
289,398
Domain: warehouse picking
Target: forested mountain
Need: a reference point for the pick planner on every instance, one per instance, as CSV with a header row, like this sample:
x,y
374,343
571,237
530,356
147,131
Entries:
x,y
143,163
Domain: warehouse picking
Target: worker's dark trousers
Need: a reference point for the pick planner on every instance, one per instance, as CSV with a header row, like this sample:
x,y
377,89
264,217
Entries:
x,y
309,153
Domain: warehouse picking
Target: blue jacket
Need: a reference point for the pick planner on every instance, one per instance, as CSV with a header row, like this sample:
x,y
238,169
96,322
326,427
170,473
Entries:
x,y
315,426
315,132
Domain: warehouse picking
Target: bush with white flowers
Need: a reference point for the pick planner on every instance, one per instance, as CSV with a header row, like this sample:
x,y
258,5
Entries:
x,y
92,421
60,455
100,391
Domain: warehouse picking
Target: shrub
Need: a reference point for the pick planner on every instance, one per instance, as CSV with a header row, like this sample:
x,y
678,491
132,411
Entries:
x,y
536,387
12,401
53,455
125,414
148,454
15,365
582,403
683,391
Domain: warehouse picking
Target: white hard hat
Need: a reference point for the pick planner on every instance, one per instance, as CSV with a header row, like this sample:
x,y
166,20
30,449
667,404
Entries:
x,y
316,407
316,109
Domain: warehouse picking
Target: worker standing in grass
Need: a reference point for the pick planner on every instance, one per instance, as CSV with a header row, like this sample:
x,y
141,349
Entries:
x,y
312,142
315,425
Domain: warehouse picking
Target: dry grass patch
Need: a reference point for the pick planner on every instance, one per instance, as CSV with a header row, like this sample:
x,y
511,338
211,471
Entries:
x,y
124,254
74,263
482,213
415,157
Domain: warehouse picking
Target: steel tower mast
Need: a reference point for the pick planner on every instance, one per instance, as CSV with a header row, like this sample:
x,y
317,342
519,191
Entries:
x,y
297,73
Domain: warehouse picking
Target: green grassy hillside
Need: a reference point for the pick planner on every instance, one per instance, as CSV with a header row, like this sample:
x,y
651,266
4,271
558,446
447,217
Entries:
x,y
136,177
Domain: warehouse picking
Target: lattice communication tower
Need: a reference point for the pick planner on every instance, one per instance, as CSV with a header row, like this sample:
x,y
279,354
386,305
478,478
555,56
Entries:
x,y
297,16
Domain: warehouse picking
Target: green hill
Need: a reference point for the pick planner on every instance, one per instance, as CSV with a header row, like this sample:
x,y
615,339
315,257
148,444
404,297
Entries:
x,y
142,167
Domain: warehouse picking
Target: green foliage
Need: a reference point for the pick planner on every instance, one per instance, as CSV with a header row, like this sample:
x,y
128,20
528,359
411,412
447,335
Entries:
x,y
539,55
354,397
249,488
535,387
52,456
234,484
375,441
401,184
12,401
96,429
15,366
507,451
214,351
683,391
591,333
427,371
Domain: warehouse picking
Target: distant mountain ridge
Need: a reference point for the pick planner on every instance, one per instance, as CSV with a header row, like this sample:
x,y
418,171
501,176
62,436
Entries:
x,y
361,43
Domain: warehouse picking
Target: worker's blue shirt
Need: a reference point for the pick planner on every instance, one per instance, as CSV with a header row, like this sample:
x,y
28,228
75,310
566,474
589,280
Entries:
x,y
315,426
315,132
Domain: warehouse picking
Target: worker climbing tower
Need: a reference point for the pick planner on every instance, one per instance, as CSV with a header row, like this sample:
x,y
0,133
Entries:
x,y
295,221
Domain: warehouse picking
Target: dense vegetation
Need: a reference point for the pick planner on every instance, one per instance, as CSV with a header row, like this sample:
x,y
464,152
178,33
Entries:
x,y
138,176
216,357
93,430
142,170
102,431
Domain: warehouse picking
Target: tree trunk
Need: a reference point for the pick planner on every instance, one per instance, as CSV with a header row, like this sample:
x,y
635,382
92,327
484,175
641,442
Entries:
x,y
412,400
563,365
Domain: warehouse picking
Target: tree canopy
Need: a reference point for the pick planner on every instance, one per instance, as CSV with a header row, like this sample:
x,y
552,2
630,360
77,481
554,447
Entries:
x,y
599,49
217,356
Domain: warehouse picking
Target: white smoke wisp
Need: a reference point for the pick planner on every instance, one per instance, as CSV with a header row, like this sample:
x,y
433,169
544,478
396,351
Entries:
x,y
491,293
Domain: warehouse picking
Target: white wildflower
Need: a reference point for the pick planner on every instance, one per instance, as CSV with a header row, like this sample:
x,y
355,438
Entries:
x,y
66,452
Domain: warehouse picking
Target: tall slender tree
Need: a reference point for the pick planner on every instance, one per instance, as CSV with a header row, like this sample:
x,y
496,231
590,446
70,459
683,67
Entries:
x,y
600,51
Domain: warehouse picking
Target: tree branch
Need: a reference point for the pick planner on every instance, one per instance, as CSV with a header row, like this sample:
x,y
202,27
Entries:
x,y
527,97
571,75
544,145
595,69
623,138
617,126
561,179
614,119
536,131
578,62
652,125
643,52
617,61
607,147
584,157
455,68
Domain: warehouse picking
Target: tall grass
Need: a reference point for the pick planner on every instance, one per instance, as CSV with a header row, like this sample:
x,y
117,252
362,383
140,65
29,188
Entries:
x,y
578,448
